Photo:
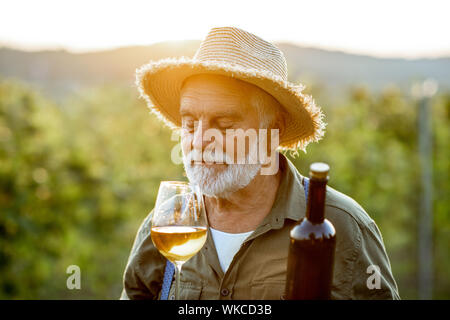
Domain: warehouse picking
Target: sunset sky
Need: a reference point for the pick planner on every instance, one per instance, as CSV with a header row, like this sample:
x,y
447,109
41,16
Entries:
x,y
385,28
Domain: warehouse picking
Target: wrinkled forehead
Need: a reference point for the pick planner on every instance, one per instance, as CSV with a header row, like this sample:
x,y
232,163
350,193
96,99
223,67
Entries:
x,y
215,94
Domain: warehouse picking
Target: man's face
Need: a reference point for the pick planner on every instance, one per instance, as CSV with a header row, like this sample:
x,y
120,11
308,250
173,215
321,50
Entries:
x,y
211,103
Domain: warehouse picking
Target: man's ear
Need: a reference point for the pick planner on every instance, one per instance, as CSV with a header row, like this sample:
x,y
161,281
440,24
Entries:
x,y
280,124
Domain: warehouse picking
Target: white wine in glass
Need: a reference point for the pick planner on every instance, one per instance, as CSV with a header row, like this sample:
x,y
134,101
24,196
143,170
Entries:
x,y
178,224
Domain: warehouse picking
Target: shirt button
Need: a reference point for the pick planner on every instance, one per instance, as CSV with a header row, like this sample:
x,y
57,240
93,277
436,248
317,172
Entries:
x,y
224,292
172,297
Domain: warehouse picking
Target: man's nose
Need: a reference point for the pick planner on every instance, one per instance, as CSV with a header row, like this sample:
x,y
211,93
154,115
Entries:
x,y
200,140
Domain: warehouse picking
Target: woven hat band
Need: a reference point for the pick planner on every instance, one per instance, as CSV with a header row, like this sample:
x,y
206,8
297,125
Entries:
x,y
236,46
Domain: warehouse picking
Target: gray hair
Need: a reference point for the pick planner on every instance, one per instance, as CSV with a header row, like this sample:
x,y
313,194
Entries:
x,y
269,109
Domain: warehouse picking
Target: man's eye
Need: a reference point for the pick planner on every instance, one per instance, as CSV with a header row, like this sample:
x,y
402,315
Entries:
x,y
225,124
188,124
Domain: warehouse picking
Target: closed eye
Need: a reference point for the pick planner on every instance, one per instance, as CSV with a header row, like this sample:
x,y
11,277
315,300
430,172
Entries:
x,y
225,123
188,124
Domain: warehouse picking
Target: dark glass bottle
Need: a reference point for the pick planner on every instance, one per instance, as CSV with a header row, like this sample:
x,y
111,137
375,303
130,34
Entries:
x,y
313,241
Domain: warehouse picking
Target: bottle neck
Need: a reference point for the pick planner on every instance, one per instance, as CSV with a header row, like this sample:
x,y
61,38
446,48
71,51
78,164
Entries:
x,y
315,210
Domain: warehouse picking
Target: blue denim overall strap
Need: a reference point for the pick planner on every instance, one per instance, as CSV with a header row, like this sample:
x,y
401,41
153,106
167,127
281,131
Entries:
x,y
306,186
167,280
170,269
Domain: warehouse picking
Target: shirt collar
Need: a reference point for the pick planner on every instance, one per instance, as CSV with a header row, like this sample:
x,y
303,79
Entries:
x,y
290,202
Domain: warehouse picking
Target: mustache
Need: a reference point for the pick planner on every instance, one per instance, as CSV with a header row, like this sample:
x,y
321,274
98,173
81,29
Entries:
x,y
206,156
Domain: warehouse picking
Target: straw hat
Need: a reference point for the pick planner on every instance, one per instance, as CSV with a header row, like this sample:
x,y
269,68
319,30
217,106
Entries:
x,y
233,52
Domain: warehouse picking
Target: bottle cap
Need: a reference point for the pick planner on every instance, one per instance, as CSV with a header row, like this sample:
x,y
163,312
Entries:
x,y
319,170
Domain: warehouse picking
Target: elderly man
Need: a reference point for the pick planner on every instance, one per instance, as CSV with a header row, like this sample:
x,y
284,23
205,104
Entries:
x,y
236,80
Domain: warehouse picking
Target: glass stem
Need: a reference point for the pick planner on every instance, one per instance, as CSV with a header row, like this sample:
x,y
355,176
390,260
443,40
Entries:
x,y
178,266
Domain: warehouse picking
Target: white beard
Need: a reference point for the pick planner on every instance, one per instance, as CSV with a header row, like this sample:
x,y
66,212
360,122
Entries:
x,y
220,184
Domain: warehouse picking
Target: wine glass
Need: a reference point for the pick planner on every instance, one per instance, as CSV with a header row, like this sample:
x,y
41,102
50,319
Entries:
x,y
179,226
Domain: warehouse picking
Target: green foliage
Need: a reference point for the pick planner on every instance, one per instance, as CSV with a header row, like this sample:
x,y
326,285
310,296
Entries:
x,y
77,178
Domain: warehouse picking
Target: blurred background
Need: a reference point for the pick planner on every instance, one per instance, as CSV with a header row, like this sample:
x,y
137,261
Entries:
x,y
81,158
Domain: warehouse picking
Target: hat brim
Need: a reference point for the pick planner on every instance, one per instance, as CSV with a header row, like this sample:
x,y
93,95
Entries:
x,y
160,82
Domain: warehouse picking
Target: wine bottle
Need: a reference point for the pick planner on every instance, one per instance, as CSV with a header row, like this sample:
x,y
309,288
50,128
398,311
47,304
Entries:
x,y
312,245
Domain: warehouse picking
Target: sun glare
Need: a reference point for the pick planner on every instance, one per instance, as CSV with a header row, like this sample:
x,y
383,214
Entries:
x,y
384,28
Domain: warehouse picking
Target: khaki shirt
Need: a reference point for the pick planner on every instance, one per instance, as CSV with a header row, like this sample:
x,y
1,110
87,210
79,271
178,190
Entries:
x,y
258,270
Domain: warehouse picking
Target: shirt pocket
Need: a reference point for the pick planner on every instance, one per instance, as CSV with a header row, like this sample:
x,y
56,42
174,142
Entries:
x,y
188,291
267,290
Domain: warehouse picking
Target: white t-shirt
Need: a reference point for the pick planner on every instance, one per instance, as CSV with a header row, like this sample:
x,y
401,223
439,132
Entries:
x,y
227,245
